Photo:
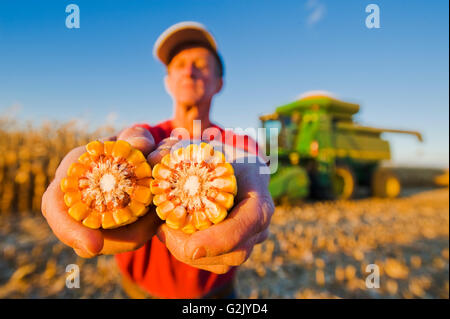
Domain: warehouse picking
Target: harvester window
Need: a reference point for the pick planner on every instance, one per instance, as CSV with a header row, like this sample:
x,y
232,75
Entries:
x,y
272,134
288,133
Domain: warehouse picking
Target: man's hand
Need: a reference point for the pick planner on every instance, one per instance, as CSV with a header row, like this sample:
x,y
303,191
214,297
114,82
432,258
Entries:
x,y
230,242
91,242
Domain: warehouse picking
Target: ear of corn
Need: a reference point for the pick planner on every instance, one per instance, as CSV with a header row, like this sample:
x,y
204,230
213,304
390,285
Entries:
x,y
193,187
109,186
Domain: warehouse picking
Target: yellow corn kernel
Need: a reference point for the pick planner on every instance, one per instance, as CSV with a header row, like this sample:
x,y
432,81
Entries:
x,y
159,186
161,171
146,181
215,212
201,221
190,153
121,149
176,218
137,209
136,157
164,209
79,211
95,148
189,226
93,220
223,198
223,170
217,158
69,184
122,215
70,198
158,199
108,147
226,184
142,194
85,159
166,161
178,155
143,170
109,186
76,170
206,151
108,221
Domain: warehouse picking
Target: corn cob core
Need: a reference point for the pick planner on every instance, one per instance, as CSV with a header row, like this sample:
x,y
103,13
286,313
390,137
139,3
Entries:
x,y
194,187
109,186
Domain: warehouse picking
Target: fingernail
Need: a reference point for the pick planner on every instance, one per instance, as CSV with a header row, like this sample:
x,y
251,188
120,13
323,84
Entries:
x,y
90,252
199,253
137,140
141,143
78,245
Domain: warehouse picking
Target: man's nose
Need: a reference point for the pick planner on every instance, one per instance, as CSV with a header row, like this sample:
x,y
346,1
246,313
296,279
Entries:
x,y
190,70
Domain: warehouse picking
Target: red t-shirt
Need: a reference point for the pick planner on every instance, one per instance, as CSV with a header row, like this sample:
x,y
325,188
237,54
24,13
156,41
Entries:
x,y
154,268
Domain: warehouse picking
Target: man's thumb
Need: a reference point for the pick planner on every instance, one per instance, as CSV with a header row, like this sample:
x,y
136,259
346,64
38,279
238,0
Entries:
x,y
139,138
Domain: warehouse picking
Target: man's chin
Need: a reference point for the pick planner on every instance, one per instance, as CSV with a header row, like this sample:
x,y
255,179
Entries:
x,y
191,104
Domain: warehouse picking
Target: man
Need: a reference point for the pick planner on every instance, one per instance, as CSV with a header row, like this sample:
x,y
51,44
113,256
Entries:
x,y
157,261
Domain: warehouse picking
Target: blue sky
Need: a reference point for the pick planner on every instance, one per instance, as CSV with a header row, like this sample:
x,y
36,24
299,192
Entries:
x,y
273,51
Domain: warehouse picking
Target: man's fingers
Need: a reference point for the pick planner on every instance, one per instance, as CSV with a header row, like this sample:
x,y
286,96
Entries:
x,y
174,240
82,253
236,257
262,236
217,269
131,237
88,242
108,139
164,148
139,138
249,217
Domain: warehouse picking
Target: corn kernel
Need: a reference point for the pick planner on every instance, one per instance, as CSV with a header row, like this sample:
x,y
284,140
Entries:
x,y
122,215
143,170
79,211
136,157
137,209
70,198
108,147
76,170
69,184
93,220
95,148
121,149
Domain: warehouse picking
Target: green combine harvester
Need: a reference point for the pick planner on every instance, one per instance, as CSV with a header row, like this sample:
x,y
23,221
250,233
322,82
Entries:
x,y
324,154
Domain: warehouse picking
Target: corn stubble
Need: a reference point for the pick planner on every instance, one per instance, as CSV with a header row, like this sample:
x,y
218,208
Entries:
x,y
194,188
109,186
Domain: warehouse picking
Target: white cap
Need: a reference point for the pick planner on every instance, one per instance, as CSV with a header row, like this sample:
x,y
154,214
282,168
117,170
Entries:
x,y
183,32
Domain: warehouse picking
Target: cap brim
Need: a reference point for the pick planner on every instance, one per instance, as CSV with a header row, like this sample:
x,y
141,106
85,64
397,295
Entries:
x,y
178,34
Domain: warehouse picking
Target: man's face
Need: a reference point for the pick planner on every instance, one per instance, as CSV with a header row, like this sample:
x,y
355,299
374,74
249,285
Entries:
x,y
193,76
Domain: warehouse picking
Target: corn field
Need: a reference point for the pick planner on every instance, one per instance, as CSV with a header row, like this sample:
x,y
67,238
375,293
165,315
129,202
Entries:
x,y
315,250
29,156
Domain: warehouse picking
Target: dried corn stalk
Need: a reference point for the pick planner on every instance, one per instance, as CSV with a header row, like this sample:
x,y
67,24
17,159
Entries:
x,y
194,187
109,186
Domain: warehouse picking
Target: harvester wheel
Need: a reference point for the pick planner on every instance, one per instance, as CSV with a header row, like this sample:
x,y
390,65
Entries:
x,y
385,184
343,182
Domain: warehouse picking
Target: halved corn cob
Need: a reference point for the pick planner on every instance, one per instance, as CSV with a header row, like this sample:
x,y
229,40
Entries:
x,y
194,187
109,186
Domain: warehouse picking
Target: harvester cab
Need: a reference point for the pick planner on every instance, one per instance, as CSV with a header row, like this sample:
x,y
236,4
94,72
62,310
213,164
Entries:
x,y
323,153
